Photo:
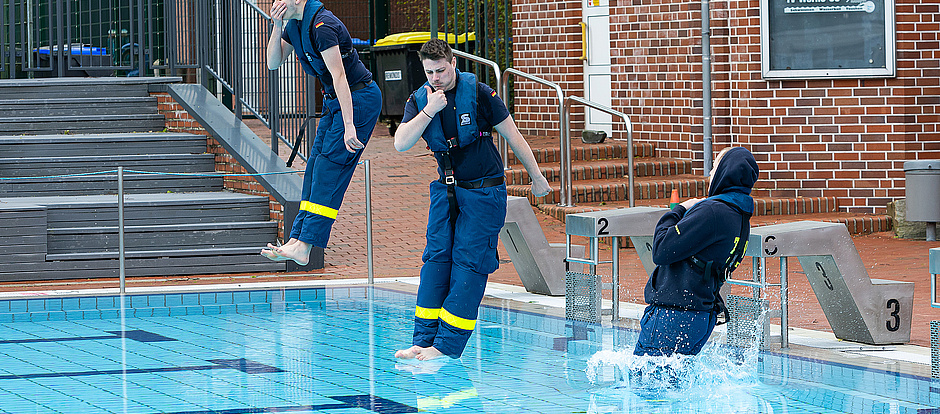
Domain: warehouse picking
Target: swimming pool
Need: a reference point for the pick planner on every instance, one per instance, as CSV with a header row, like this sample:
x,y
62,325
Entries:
x,y
330,350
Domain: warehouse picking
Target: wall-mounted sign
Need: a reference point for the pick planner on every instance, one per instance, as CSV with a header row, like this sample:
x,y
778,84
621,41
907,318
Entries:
x,y
803,39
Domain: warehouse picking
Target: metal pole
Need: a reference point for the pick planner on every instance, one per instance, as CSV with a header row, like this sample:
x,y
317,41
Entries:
x,y
615,276
784,338
120,177
706,89
369,220
433,13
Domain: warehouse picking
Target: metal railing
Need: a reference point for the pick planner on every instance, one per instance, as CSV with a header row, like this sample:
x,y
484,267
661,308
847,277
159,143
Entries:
x,y
566,158
501,143
565,143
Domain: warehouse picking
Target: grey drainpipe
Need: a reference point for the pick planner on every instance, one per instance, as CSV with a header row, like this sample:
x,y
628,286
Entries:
x,y
706,90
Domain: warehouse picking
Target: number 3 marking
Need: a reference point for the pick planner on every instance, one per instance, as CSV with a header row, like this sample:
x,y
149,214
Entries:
x,y
896,314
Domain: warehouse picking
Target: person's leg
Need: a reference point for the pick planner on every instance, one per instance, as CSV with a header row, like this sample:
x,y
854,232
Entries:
x,y
664,331
289,251
482,215
435,273
331,172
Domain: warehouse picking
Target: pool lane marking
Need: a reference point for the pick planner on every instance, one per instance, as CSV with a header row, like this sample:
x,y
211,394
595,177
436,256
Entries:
x,y
369,402
136,335
241,364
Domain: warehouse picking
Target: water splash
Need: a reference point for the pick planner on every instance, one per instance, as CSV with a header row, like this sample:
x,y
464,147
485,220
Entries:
x,y
719,379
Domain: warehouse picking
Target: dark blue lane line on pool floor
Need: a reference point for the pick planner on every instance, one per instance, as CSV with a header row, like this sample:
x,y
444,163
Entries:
x,y
136,335
243,365
370,402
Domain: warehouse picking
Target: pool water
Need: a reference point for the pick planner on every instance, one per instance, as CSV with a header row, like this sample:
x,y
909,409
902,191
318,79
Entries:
x,y
330,350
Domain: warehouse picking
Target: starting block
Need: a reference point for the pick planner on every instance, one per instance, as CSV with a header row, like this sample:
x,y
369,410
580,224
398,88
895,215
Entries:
x,y
860,309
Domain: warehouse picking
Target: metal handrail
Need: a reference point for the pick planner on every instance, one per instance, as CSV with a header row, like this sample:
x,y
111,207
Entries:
x,y
565,142
567,159
471,57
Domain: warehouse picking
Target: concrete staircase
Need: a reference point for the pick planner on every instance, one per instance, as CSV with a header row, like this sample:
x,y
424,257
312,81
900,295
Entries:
x,y
67,227
599,181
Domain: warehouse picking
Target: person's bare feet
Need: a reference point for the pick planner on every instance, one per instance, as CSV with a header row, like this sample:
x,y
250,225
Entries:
x,y
408,353
271,253
429,353
294,249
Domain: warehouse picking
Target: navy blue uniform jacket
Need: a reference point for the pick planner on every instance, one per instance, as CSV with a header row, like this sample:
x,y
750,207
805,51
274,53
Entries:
x,y
707,231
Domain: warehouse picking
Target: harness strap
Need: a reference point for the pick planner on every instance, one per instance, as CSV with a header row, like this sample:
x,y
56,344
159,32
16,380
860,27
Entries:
x,y
737,255
447,166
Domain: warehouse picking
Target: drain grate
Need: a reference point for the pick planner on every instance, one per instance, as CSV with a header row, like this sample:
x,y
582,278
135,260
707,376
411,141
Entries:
x,y
745,327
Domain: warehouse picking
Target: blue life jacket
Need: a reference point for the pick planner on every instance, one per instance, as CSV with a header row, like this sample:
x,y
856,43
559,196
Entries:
x,y
467,130
311,60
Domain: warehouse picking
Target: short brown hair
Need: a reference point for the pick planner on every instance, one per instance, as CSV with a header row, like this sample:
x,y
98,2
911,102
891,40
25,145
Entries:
x,y
436,49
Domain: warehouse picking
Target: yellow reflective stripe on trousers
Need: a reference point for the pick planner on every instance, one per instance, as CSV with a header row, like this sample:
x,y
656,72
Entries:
x,y
318,209
456,321
427,313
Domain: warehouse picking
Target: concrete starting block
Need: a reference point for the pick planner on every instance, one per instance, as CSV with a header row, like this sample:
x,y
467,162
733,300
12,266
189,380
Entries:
x,y
584,290
860,309
540,264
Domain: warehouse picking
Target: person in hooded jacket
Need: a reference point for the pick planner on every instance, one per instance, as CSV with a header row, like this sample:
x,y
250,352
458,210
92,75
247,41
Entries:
x,y
351,106
695,247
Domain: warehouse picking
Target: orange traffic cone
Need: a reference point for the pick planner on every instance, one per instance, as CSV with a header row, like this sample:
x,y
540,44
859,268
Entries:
x,y
674,198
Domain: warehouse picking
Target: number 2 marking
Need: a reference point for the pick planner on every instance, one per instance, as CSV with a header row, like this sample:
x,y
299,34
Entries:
x,y
603,230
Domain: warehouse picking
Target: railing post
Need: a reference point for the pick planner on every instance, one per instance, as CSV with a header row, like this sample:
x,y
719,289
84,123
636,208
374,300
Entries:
x,y
121,266
142,63
368,166
237,70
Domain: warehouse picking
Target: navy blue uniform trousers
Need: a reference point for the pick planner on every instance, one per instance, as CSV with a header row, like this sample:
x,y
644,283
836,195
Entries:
x,y
457,261
667,330
330,166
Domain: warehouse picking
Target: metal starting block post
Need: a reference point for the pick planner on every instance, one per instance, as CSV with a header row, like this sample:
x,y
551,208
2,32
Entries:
x,y
934,269
583,291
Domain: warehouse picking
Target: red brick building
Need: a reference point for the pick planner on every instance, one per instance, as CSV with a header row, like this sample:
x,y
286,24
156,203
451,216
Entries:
x,y
845,138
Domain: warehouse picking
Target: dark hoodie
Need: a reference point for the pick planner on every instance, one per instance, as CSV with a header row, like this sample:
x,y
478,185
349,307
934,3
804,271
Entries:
x,y
706,231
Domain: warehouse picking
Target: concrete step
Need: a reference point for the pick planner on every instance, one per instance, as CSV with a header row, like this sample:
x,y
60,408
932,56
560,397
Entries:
x,y
47,107
548,150
25,146
82,124
612,169
162,237
767,211
588,191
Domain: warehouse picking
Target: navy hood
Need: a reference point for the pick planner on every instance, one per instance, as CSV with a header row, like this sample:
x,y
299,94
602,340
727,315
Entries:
x,y
734,178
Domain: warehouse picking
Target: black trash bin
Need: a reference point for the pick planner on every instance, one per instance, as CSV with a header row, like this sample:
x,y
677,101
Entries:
x,y
399,71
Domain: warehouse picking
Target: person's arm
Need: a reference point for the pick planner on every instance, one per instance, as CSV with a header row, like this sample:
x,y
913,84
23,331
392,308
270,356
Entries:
x,y
278,48
410,132
680,235
334,63
508,130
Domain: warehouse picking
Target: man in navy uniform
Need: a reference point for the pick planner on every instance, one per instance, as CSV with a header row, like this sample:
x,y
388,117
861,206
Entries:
x,y
351,106
455,115
695,247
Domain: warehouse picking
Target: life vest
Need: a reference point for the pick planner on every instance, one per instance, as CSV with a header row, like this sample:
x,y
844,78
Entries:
x,y
467,130
311,60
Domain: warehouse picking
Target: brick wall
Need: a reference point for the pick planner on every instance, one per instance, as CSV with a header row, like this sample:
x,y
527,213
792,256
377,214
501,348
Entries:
x,y
845,138
178,120
546,43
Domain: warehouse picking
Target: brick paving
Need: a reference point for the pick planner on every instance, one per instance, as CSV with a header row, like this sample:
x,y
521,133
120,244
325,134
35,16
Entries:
x,y
400,201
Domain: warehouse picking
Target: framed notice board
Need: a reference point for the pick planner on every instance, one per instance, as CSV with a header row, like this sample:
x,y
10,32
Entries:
x,y
803,39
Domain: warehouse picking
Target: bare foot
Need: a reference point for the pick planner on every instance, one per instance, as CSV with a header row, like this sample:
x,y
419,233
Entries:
x,y
298,251
271,253
408,353
427,354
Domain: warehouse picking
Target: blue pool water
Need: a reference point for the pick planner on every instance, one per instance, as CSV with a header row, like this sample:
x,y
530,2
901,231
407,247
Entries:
x,y
330,350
